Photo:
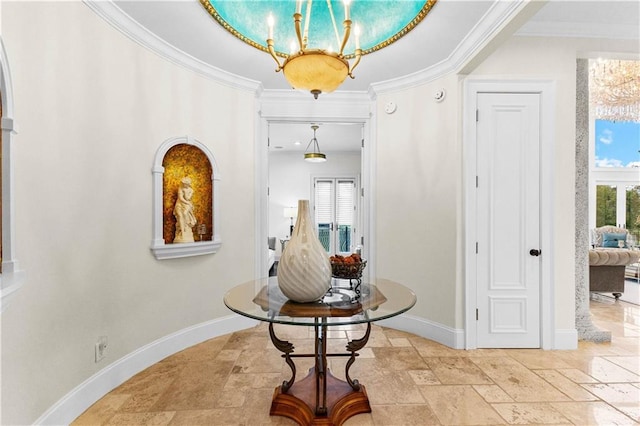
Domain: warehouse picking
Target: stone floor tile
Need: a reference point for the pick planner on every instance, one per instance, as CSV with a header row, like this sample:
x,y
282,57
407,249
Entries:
x,y
531,359
204,351
606,371
517,381
457,371
424,377
631,409
526,413
615,392
459,405
576,375
492,393
226,416
631,363
400,359
100,412
157,418
392,387
592,413
364,419
399,341
569,388
405,415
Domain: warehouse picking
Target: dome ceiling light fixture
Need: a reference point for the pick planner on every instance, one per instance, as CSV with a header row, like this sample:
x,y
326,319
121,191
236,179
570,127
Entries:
x,y
314,156
313,64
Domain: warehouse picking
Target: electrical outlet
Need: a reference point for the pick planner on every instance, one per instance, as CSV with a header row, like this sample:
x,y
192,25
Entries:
x,y
101,348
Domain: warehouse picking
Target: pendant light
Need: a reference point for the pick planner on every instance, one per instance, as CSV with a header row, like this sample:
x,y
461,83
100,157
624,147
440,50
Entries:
x,y
314,156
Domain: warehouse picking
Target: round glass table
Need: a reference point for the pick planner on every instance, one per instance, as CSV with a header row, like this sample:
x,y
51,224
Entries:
x,y
320,398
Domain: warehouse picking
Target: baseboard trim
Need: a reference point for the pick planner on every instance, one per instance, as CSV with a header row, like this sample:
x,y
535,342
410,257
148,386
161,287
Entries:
x,y
95,387
566,339
451,337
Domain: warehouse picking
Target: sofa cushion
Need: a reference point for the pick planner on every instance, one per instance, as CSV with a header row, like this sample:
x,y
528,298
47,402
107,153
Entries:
x,y
610,239
613,257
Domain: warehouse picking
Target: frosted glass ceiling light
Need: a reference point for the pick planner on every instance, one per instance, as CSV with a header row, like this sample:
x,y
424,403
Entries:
x,y
316,70
314,156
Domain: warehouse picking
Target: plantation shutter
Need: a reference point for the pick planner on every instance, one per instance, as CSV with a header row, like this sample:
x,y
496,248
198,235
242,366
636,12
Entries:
x,y
323,202
345,206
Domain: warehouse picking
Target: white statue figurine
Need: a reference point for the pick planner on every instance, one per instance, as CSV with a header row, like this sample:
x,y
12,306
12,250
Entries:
x,y
183,211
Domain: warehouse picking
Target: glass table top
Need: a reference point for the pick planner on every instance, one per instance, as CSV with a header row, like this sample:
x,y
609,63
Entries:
x,y
379,299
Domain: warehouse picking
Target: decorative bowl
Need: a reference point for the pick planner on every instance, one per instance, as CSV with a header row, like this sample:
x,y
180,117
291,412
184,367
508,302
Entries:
x,y
344,270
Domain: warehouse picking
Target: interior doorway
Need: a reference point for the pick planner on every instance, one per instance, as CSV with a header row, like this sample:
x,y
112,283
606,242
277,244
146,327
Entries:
x,y
497,290
291,178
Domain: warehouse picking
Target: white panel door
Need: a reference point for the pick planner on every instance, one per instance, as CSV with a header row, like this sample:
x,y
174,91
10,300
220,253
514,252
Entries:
x,y
508,220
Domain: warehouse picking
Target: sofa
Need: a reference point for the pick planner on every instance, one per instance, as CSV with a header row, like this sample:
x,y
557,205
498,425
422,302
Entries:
x,y
608,260
271,243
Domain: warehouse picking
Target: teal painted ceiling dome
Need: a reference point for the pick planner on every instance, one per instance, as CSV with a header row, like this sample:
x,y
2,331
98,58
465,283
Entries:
x,y
381,22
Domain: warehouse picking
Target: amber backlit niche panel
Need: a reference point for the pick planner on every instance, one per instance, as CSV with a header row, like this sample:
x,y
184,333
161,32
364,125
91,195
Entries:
x,y
187,161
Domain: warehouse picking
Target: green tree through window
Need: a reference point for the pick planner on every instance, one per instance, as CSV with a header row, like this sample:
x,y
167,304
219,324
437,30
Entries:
x,y
605,205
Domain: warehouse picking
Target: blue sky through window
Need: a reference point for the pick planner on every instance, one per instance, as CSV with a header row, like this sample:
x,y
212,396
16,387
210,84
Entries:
x,y
617,144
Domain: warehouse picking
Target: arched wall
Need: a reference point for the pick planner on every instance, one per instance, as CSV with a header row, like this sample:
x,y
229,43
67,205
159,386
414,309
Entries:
x,y
94,108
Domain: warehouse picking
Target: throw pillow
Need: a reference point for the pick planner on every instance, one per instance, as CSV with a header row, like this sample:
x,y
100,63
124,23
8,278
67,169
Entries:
x,y
611,239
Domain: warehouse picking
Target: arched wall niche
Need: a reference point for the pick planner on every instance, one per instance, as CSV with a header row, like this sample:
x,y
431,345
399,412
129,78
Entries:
x,y
184,163
11,277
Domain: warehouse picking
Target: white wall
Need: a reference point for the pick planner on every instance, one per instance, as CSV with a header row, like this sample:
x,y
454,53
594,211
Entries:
x,y
418,209
91,108
290,180
419,177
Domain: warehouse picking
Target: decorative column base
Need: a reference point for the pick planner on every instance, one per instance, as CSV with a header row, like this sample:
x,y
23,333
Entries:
x,y
589,332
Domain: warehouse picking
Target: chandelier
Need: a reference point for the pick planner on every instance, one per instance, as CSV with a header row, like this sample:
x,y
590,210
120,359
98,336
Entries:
x,y
614,89
314,156
316,70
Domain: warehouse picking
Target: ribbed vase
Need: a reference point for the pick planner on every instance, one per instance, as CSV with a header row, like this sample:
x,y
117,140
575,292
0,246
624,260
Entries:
x,y
304,270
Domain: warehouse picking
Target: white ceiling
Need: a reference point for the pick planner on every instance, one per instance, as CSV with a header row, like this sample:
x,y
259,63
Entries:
x,y
450,33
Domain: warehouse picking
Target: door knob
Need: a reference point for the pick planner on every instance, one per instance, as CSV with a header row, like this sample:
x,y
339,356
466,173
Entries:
x,y
535,252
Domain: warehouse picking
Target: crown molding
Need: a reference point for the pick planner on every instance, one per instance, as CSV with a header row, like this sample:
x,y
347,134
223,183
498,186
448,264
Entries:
x,y
578,29
491,23
128,26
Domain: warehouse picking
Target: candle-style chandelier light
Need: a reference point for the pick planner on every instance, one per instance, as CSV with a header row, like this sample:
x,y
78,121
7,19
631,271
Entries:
x,y
614,89
313,69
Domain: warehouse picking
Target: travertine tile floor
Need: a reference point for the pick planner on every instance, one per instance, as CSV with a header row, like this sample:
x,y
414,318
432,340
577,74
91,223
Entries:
x,y
229,380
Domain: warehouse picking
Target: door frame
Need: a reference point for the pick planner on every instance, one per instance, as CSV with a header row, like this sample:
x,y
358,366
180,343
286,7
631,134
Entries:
x,y
546,89
292,106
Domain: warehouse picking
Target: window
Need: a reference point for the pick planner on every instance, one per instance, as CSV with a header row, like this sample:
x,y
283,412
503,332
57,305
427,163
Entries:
x,y
614,139
335,213
633,212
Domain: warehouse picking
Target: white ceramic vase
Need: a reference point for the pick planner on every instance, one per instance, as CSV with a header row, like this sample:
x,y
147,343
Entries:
x,y
304,269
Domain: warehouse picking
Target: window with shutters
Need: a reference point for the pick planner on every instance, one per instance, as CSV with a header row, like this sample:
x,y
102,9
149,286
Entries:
x,y
335,205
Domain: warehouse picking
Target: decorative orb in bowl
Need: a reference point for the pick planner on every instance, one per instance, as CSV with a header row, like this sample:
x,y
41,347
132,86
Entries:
x,y
347,267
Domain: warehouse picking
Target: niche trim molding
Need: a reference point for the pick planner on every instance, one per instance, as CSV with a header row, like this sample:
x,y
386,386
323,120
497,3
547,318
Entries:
x,y
159,248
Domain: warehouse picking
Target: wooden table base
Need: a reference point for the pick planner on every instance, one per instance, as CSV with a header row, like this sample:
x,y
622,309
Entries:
x,y
298,403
